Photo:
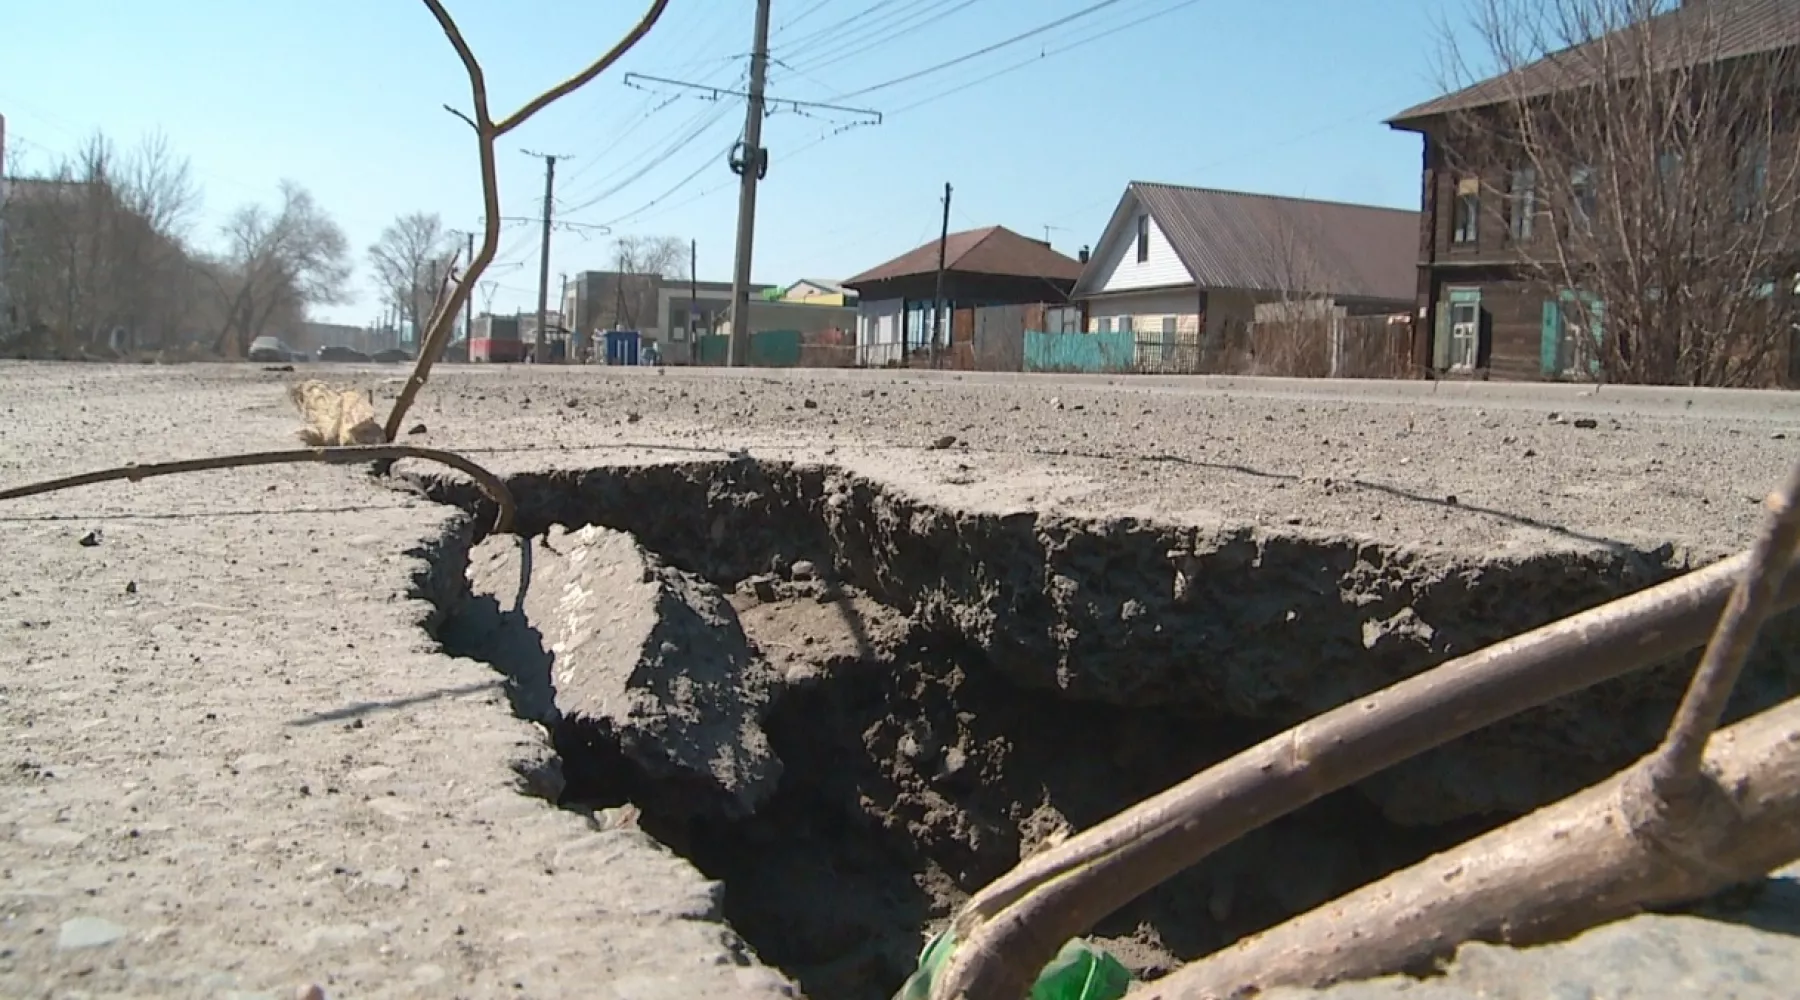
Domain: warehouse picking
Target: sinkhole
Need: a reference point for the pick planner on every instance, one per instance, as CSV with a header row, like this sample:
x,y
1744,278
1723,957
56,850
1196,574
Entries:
x,y
853,708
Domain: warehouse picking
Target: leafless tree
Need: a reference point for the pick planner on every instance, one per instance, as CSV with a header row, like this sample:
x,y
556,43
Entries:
x,y
1292,335
1645,173
415,253
278,263
96,249
639,262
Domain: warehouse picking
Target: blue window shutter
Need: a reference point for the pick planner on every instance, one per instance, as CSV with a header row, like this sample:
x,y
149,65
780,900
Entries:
x,y
1550,345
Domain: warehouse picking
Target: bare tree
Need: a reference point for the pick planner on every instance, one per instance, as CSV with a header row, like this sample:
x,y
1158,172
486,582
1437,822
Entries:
x,y
96,249
640,263
1643,168
411,259
278,263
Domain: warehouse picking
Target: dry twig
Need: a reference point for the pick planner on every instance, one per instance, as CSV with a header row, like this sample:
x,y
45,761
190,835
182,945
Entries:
x,y
1011,928
489,483
487,132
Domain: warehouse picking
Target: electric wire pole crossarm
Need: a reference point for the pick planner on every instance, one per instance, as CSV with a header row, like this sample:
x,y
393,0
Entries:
x,y
774,103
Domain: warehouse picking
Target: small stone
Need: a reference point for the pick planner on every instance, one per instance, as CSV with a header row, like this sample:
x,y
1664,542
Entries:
x,y
1778,436
386,878
131,586
809,404
632,418
572,403
944,442
1531,453
311,991
803,569
1587,423
87,932
1451,500
416,429
89,540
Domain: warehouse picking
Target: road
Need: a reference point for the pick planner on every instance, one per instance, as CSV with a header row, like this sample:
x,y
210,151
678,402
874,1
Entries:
x,y
236,764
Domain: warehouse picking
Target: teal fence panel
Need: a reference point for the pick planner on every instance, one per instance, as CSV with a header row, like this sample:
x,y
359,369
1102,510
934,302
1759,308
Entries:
x,y
768,349
1079,352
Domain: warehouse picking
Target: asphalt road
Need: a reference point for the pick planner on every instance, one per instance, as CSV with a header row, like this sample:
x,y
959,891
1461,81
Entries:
x,y
236,765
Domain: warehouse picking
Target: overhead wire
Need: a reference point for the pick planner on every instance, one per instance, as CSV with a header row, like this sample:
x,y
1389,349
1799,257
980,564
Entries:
x,y
857,46
984,50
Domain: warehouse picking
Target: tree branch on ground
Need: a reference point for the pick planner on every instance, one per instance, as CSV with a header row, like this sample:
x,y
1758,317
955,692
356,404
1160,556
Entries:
x,y
1011,928
487,481
487,132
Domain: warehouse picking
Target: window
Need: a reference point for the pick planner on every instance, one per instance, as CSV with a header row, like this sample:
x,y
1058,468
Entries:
x,y
1668,171
1585,196
1753,181
1574,327
1168,336
1522,206
1467,216
1103,325
1124,324
1143,238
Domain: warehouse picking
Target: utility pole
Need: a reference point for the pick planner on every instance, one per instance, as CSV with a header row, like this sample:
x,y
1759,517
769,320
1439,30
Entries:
x,y
469,303
539,354
752,166
693,298
937,302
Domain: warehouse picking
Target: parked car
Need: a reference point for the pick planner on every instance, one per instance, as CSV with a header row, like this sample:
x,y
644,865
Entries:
x,y
392,355
272,349
341,354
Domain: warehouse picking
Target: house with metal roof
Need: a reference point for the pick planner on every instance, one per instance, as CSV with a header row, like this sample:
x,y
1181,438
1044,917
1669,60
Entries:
x,y
1186,268
1515,279
993,266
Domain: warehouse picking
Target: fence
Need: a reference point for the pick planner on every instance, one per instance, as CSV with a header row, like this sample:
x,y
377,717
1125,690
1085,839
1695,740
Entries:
x,y
768,349
1079,352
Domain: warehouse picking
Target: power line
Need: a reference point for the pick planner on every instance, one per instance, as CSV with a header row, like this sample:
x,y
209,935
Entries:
x,y
1045,54
887,35
1003,43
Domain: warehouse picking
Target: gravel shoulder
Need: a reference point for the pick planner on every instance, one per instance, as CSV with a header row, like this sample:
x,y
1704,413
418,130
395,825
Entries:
x,y
236,763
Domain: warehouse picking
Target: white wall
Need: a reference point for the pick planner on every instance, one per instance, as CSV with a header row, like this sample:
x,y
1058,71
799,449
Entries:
x,y
878,331
1119,269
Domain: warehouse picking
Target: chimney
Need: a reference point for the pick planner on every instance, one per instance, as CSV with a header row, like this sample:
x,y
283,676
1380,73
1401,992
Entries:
x,y
1082,255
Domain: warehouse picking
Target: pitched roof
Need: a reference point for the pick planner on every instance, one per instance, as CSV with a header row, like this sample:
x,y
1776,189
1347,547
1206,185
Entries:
x,y
1266,243
993,250
1694,33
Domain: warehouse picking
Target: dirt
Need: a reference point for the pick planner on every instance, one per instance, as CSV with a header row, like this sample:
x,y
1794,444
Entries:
x,y
240,764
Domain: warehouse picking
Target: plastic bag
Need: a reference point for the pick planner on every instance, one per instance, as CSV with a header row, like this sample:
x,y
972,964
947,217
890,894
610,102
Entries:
x,y
1080,971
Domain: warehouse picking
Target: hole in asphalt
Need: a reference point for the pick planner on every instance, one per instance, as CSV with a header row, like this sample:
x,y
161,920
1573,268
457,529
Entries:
x,y
935,693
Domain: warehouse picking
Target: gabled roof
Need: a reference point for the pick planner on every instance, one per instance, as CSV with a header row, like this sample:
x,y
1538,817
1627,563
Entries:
x,y
1695,33
830,287
993,250
1265,243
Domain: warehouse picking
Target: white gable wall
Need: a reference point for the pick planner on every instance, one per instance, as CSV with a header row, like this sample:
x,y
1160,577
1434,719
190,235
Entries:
x,y
1121,271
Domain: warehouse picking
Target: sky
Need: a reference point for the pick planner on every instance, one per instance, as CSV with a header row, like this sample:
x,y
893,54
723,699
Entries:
x,y
346,97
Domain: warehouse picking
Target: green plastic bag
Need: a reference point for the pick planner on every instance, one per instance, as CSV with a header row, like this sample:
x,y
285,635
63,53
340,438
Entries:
x,y
1080,971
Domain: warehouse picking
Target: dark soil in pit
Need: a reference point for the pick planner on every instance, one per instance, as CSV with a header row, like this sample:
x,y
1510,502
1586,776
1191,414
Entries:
x,y
952,691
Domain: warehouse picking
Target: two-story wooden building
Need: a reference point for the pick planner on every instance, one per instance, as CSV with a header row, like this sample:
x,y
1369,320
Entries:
x,y
1493,277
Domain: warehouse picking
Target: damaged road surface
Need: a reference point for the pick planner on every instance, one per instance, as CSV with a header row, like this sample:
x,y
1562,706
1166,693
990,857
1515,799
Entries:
x,y
724,726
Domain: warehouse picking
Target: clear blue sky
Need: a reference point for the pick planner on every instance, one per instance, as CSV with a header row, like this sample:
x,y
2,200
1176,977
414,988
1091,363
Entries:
x,y
346,96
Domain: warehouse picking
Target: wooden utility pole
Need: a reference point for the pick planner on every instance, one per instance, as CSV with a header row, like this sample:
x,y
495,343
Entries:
x,y
937,303
693,297
538,352
752,164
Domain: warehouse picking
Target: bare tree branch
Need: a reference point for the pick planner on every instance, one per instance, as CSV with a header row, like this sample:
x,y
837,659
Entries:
x,y
1677,761
1011,928
489,483
1593,857
486,133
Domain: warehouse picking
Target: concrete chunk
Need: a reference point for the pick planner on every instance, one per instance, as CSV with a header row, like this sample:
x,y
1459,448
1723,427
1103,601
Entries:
x,y
650,656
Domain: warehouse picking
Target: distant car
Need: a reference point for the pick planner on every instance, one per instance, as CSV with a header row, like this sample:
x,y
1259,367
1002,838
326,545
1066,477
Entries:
x,y
272,349
341,354
392,355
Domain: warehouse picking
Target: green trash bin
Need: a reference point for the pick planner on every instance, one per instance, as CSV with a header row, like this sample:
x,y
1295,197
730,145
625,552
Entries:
x,y
1080,971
